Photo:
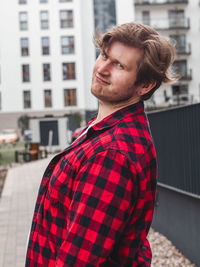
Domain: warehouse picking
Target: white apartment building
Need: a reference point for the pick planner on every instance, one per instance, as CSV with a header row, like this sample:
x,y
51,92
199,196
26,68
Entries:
x,y
180,21
47,55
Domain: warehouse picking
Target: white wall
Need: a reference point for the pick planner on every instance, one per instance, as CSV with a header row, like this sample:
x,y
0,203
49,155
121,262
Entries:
x,y
11,60
124,11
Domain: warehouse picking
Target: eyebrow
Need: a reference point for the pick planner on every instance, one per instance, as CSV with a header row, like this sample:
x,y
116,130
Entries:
x,y
115,60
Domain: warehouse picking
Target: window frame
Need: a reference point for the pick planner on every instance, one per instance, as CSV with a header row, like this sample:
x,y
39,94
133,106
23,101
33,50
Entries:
x,y
26,73
70,97
27,101
66,22
48,98
48,72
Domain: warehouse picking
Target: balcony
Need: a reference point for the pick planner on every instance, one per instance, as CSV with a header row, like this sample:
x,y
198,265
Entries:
x,y
170,24
184,50
159,2
185,76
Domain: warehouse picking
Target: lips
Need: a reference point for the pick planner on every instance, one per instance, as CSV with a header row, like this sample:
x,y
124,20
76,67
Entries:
x,y
99,79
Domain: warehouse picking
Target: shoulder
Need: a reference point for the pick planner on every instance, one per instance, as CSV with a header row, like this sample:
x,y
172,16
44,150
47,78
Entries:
x,y
131,137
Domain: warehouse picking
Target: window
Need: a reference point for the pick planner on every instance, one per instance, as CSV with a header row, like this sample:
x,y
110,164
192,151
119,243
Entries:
x,y
69,97
67,44
27,99
44,20
24,47
180,67
0,101
43,1
69,71
46,72
180,93
22,1
66,19
25,73
176,18
180,42
47,98
23,21
64,1
45,46
146,17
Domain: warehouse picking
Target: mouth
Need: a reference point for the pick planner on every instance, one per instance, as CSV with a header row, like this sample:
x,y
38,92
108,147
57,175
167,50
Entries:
x,y
99,79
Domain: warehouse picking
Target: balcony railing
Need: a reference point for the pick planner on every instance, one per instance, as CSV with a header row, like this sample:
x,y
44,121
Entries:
x,y
159,2
184,50
169,24
186,76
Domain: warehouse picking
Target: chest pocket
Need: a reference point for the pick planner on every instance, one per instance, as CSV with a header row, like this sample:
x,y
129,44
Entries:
x,y
60,185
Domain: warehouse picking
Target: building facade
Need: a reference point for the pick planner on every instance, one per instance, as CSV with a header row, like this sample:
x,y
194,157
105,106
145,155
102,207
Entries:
x,y
180,21
47,55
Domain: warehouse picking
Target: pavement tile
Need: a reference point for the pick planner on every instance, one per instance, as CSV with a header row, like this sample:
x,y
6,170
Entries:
x,y
16,210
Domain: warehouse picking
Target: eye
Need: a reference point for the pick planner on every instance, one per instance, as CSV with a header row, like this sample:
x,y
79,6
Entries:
x,y
119,65
104,55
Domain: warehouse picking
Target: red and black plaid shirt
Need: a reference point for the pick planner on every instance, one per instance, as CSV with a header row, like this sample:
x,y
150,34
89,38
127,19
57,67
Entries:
x,y
96,198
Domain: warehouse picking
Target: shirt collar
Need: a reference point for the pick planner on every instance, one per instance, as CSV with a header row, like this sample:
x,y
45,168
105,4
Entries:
x,y
114,118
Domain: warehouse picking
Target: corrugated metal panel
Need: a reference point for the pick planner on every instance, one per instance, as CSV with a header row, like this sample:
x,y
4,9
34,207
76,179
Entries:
x,y
176,134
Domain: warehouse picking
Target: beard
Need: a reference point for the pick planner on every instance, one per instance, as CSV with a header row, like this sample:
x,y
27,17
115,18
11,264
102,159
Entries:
x,y
114,96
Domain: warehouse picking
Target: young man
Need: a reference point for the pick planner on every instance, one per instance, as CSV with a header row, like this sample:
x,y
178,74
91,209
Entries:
x,y
96,199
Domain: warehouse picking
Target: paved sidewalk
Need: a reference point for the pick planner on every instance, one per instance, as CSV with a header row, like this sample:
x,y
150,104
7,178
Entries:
x,y
16,210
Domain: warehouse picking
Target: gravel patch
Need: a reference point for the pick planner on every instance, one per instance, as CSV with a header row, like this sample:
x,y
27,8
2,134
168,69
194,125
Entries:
x,y
165,253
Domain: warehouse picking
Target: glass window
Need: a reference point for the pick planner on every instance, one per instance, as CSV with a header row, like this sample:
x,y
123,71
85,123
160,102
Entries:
x,y
43,1
180,93
180,42
46,72
22,1
176,18
70,97
67,44
64,1
180,67
146,17
69,71
44,20
47,98
24,47
25,73
45,46
23,21
66,18
27,98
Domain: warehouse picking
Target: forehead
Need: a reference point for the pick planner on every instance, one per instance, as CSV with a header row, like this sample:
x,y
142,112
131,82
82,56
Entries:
x,y
123,53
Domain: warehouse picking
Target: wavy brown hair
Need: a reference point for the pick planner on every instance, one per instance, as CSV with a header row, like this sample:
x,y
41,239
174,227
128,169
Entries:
x,y
155,64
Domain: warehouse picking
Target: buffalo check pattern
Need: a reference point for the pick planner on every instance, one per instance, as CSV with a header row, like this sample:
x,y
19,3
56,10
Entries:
x,y
96,199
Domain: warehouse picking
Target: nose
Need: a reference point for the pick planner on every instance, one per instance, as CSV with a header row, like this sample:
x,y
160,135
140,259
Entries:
x,y
104,68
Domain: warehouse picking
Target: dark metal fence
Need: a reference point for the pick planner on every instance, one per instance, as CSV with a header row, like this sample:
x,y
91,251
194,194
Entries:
x,y
176,134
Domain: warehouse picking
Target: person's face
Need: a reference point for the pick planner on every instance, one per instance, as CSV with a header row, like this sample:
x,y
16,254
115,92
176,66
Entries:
x,y
115,73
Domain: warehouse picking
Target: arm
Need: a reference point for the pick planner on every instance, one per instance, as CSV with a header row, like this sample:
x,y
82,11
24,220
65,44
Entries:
x,y
110,214
99,210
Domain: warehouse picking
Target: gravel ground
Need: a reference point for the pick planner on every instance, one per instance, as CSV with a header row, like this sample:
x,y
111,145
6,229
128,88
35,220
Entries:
x,y
165,253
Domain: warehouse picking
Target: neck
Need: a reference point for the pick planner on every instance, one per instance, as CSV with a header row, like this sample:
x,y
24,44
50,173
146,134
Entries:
x,y
106,109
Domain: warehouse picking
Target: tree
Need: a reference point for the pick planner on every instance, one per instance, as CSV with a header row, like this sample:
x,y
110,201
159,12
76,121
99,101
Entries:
x,y
23,123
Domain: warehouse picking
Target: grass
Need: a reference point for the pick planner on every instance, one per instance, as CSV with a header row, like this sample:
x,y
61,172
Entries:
x,y
7,153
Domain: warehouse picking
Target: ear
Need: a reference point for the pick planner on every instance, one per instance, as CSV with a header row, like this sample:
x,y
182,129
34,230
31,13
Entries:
x,y
144,89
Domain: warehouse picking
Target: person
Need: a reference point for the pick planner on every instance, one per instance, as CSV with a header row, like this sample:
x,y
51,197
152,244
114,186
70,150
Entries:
x,y
96,199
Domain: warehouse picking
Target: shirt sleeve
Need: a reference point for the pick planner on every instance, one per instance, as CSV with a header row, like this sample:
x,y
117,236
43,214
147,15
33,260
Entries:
x,y
103,214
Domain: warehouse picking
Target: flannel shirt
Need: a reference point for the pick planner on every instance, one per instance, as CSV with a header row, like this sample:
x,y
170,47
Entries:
x,y
96,199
